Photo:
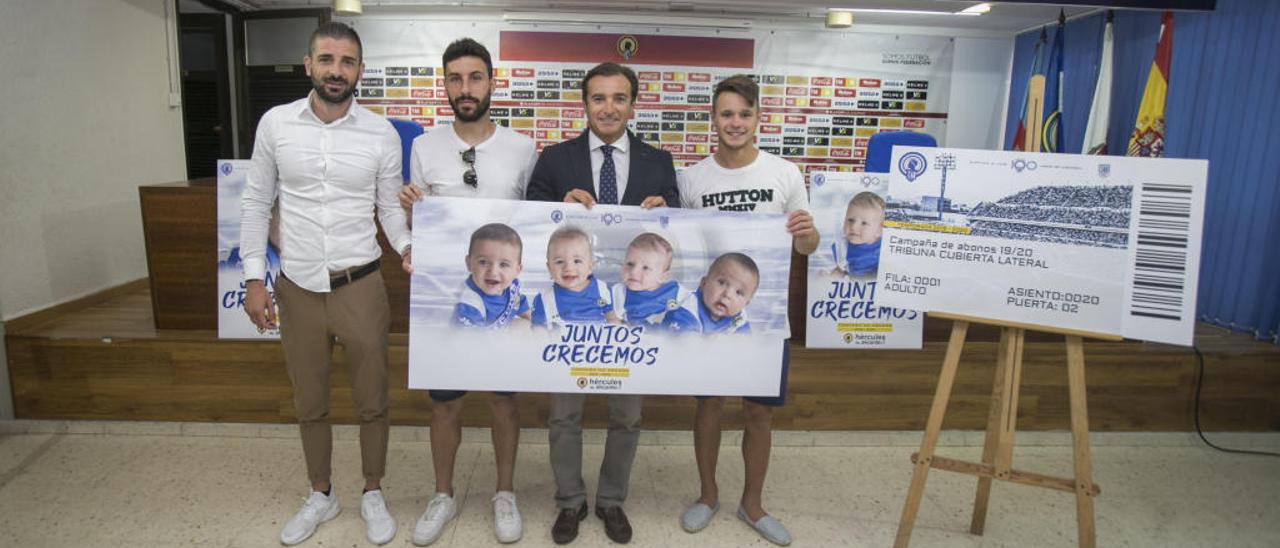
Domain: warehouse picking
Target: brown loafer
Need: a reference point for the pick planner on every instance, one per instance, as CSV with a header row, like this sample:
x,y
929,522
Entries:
x,y
566,526
616,525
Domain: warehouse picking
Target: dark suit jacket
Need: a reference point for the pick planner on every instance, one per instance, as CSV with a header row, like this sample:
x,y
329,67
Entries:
x,y
565,166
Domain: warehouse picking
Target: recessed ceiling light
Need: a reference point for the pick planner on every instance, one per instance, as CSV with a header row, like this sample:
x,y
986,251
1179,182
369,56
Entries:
x,y
839,19
912,12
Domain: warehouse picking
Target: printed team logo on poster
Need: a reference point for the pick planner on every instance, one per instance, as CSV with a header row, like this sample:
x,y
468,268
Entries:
x,y
1095,243
842,310
233,323
554,297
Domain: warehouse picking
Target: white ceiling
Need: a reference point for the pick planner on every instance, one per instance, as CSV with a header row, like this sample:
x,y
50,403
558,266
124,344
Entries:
x,y
1003,18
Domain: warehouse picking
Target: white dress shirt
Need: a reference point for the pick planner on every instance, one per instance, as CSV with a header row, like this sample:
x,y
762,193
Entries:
x,y
328,178
621,161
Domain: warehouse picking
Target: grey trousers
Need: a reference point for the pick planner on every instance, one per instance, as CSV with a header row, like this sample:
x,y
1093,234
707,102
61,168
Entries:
x,y
619,449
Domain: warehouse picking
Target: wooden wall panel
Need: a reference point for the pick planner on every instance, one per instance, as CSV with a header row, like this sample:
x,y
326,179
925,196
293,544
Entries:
x,y
180,227
1132,387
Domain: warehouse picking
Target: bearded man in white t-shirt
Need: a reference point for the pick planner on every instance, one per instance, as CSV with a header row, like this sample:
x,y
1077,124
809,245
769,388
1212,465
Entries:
x,y
472,157
741,177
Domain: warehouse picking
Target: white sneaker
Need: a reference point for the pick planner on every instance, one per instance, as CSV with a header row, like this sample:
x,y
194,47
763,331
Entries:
x,y
440,510
506,517
317,509
379,527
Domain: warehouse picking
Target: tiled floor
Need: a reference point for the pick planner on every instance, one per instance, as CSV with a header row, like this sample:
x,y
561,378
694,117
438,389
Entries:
x,y
168,484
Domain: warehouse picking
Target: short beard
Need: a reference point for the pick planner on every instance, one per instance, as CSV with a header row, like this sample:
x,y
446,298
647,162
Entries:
x,y
324,95
482,108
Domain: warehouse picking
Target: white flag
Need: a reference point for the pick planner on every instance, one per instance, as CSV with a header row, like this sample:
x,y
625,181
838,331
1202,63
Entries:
x,y
1095,134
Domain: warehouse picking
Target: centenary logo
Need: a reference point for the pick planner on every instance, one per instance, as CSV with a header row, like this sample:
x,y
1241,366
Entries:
x,y
1019,165
225,168
610,219
1104,170
819,179
582,382
628,45
912,165
869,181
557,216
663,221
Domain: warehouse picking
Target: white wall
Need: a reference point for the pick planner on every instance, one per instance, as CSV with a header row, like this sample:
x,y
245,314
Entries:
x,y
86,120
979,92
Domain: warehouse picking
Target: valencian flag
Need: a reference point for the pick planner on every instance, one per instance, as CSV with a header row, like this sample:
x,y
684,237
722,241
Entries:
x,y
1051,138
1095,133
1148,132
1020,135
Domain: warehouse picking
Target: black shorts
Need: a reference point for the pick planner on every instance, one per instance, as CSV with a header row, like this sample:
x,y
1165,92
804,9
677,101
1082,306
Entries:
x,y
444,396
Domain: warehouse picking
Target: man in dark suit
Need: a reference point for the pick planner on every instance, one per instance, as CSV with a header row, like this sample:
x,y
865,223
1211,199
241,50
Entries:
x,y
632,172
602,165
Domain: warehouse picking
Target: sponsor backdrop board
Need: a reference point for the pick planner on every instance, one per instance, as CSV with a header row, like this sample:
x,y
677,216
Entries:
x,y
506,348
822,95
1097,243
842,310
233,323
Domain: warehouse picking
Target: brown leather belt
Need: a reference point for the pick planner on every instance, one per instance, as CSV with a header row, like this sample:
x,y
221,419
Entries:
x,y
344,277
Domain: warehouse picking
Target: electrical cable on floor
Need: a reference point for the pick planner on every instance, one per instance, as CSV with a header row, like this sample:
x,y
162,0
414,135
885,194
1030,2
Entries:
x,y
1199,384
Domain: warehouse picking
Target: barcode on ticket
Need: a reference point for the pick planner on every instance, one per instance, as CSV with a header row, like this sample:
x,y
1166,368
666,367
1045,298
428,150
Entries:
x,y
1159,285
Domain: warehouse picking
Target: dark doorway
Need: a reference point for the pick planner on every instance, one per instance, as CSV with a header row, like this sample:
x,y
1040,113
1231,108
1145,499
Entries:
x,y
206,89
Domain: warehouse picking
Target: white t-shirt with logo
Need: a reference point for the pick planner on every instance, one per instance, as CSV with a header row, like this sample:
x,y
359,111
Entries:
x,y
768,185
503,164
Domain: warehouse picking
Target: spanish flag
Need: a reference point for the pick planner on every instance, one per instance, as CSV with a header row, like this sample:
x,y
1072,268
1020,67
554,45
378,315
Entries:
x,y
1148,132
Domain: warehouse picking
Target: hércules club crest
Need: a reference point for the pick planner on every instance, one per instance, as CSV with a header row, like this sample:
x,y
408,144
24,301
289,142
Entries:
x,y
627,46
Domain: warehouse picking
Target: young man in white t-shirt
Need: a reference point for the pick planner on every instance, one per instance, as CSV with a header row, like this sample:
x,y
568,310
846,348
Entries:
x,y
473,157
741,177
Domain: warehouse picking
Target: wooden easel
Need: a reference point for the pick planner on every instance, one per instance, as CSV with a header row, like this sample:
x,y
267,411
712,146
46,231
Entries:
x,y
997,451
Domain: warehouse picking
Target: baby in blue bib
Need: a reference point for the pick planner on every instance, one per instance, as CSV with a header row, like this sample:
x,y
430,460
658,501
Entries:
x,y
859,253
490,298
647,294
576,296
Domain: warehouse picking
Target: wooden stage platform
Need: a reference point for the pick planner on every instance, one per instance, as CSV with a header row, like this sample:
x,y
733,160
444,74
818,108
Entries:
x,y
107,360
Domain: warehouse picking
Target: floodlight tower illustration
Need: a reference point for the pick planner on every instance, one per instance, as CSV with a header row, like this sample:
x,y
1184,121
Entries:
x,y
943,162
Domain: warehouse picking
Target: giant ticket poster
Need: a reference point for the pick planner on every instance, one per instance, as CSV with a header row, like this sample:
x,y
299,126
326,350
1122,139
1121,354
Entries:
x,y
1101,244
553,297
842,311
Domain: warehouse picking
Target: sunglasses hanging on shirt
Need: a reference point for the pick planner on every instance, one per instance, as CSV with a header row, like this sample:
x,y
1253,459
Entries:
x,y
469,176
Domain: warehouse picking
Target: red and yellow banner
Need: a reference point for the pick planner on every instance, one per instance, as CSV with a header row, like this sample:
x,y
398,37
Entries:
x,y
1148,132
642,49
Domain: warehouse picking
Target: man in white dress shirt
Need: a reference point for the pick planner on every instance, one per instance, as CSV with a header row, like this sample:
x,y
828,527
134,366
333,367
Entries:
x,y
330,163
474,158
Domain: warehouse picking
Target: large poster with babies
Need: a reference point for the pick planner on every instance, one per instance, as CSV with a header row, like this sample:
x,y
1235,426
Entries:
x,y
233,323
554,297
1102,244
842,310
